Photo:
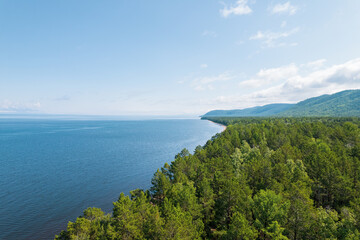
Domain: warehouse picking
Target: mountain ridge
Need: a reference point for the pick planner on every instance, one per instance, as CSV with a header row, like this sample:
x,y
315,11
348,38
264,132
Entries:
x,y
345,103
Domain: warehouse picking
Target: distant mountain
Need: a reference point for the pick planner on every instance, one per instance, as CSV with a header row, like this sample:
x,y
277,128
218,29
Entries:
x,y
345,103
341,104
260,111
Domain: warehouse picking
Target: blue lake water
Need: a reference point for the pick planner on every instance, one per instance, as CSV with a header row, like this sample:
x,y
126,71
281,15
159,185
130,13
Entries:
x,y
51,170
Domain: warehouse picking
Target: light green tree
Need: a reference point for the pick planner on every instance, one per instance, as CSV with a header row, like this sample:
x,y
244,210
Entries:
x,y
270,212
240,228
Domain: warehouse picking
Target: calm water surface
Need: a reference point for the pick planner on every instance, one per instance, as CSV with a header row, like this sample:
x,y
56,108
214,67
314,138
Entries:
x,y
51,170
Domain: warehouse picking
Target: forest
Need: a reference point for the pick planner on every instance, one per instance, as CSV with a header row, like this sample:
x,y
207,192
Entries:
x,y
261,178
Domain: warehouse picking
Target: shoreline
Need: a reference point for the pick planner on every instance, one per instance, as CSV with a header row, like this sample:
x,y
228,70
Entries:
x,y
224,126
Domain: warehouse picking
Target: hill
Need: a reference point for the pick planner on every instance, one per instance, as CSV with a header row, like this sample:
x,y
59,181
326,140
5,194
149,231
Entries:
x,y
259,111
345,103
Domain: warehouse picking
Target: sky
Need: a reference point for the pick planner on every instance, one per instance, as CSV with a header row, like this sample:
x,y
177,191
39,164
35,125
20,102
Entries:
x,y
179,57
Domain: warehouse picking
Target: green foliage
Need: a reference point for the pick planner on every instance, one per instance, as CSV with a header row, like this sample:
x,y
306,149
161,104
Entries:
x,y
274,231
240,228
346,228
178,223
280,178
92,225
270,212
160,185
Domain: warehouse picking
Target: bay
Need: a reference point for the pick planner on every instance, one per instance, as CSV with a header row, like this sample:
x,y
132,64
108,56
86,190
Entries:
x,y
51,170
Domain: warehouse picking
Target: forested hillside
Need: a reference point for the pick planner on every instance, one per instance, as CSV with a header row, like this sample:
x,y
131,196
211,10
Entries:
x,y
259,111
259,179
341,104
345,103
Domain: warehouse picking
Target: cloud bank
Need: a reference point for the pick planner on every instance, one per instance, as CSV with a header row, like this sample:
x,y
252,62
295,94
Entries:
x,y
294,83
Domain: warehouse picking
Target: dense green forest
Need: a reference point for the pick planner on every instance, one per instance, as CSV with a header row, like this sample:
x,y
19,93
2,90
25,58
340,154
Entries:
x,y
280,178
345,103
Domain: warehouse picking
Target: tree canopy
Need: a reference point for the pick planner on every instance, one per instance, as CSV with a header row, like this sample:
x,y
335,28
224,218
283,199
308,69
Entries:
x,y
274,178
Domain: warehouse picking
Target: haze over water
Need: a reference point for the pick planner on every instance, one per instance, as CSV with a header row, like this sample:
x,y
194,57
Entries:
x,y
51,170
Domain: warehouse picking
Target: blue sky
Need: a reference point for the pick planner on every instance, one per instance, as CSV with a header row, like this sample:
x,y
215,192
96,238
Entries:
x,y
173,57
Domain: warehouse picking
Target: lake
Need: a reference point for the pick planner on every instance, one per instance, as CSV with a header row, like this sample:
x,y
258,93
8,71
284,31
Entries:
x,y
51,170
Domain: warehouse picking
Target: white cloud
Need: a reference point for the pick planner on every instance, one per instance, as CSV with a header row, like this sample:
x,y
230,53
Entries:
x,y
203,83
300,86
208,33
285,8
204,65
316,64
284,84
7,106
283,24
272,39
240,8
293,83
271,75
